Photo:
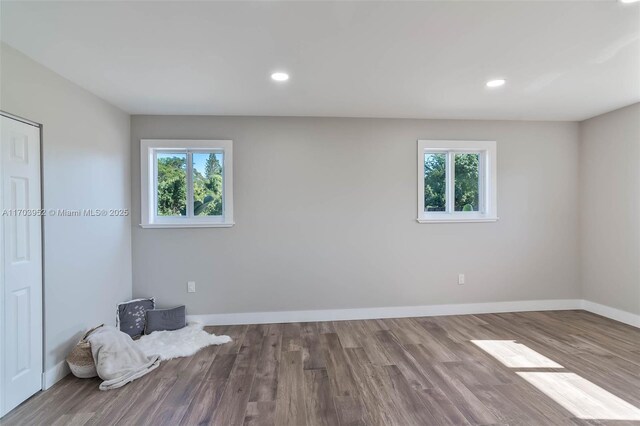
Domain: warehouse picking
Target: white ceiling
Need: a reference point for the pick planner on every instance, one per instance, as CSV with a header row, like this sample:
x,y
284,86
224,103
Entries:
x,y
562,60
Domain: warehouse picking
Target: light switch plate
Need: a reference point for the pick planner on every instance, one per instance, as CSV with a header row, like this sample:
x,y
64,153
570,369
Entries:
x,y
191,287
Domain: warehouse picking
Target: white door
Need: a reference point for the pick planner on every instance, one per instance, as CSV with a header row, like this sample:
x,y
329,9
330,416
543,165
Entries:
x,y
21,264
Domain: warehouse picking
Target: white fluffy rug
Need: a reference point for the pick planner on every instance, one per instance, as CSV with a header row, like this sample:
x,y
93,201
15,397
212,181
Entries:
x,y
178,343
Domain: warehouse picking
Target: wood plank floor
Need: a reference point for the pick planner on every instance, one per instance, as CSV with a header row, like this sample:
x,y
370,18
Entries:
x,y
411,371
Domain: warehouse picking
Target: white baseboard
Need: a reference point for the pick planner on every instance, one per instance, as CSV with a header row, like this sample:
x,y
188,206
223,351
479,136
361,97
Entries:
x,y
416,311
613,313
54,374
385,312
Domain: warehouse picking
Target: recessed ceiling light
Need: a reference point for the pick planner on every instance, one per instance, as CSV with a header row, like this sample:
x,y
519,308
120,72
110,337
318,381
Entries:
x,y
280,76
629,1
496,83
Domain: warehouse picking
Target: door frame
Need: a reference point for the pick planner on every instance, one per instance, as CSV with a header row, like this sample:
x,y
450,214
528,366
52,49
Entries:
x,y
40,128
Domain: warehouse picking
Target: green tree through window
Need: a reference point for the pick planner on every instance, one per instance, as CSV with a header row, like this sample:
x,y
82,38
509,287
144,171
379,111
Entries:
x,y
172,185
466,182
207,184
435,187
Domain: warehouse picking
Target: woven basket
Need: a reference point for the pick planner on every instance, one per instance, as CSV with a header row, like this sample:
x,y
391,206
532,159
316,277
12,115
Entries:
x,y
80,359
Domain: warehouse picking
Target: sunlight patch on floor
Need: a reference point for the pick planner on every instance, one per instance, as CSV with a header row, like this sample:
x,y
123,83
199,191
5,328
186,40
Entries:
x,y
515,355
581,397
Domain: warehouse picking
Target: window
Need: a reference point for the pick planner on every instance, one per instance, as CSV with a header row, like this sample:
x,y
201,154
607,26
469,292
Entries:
x,y
186,183
456,181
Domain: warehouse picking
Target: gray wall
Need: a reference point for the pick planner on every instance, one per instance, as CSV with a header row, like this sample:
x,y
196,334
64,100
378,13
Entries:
x,y
325,214
610,208
86,150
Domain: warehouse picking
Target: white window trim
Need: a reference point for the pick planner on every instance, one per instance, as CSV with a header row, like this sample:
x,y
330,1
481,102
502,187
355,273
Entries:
x,y
148,177
488,192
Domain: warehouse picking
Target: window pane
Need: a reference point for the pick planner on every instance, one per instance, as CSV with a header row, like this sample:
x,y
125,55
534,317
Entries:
x,y
172,184
207,183
435,187
467,183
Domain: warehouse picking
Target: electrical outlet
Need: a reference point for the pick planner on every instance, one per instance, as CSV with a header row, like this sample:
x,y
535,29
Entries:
x,y
460,279
191,287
